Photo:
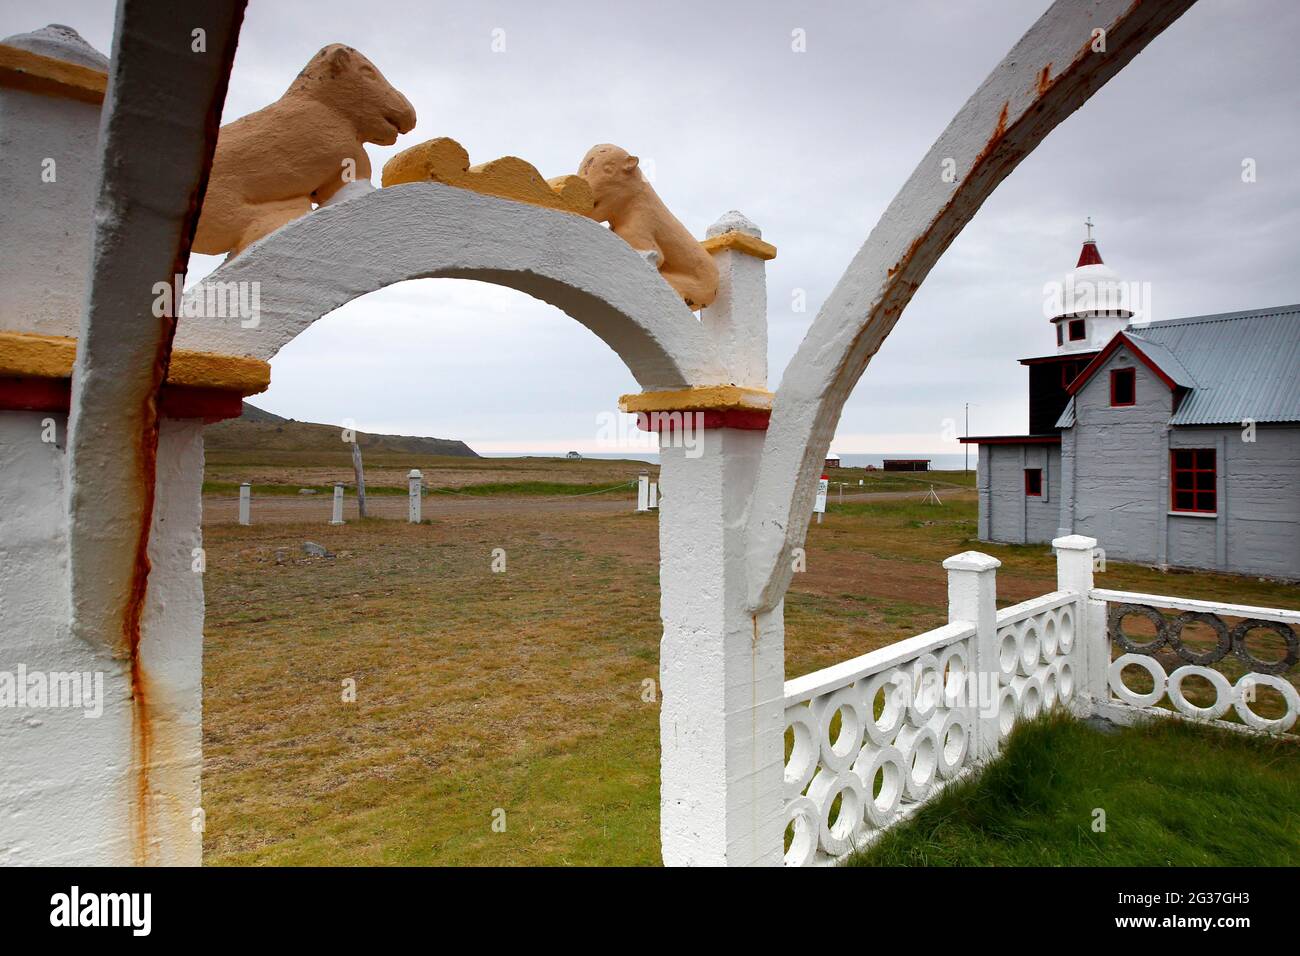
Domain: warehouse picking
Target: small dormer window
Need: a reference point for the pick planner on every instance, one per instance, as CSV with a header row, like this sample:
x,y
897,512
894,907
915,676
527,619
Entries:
x,y
1078,330
1123,387
1060,334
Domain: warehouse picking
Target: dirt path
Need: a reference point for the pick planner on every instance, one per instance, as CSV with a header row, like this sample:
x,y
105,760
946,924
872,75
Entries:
x,y
308,508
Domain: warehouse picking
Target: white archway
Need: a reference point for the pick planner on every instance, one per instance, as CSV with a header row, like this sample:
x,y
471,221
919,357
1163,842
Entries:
x,y
316,264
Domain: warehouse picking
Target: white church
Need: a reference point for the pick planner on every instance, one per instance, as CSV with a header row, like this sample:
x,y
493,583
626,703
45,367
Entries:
x,y
1177,443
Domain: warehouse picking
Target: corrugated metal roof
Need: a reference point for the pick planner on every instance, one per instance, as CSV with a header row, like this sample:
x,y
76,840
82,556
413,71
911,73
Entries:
x,y
1067,416
1244,364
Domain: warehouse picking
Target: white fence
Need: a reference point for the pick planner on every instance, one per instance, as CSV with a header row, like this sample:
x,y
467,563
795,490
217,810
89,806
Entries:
x,y
870,740
1169,656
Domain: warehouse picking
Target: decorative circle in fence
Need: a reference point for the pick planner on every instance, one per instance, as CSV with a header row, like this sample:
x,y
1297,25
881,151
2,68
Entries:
x,y
1010,643
894,687
1115,627
927,689
954,741
1064,680
1030,647
1174,635
920,749
887,764
801,766
1254,664
1223,693
1245,693
838,835
954,665
1065,633
1131,697
841,750
803,814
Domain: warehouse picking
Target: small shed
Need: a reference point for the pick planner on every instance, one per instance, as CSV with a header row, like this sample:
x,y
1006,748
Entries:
x,y
832,461
907,464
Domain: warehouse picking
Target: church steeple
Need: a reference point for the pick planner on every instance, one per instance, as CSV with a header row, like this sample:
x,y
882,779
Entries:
x,y
1092,305
1089,255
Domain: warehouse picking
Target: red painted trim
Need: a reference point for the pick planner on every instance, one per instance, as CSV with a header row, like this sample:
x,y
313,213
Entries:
x,y
745,419
1028,492
1011,440
1174,471
23,393
1067,357
1115,374
1110,349
1083,330
209,404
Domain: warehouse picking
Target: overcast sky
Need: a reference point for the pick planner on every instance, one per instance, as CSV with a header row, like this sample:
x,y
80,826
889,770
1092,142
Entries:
x,y
811,146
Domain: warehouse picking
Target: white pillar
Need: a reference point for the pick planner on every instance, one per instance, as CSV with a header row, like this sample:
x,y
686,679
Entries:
x,y
722,721
972,596
337,517
48,172
1074,555
643,492
654,495
737,319
245,503
413,480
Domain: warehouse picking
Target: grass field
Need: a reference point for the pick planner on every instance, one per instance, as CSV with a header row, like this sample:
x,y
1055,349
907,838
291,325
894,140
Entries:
x,y
521,691
1166,793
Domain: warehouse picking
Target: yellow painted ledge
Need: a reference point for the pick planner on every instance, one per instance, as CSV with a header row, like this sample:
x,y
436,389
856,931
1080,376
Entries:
x,y
25,70
702,398
740,242
443,160
52,356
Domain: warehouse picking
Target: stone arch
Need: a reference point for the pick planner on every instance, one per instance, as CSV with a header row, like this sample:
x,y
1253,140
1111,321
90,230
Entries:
x,y
318,263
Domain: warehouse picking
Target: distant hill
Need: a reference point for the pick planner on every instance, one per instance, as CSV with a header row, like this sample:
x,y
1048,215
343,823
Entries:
x,y
256,429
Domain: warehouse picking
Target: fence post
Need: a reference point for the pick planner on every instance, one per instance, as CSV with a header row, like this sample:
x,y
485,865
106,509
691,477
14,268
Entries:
x,y
643,492
413,481
337,517
1074,555
245,503
972,596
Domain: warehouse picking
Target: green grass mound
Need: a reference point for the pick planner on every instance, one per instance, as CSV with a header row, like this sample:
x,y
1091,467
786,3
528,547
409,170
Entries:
x,y
1164,793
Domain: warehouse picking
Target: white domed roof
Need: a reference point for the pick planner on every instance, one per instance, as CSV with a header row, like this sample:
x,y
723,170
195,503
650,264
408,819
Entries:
x,y
1093,287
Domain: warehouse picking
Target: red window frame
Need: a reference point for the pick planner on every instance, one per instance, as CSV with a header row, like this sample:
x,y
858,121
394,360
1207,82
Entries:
x,y
1034,486
1119,374
1069,372
1193,481
1082,328
1060,334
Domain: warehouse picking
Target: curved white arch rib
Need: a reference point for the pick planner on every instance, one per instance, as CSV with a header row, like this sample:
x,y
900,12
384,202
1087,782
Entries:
x,y
1048,74
315,264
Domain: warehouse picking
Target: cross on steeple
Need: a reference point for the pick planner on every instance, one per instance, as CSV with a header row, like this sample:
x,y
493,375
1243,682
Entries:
x,y
1088,222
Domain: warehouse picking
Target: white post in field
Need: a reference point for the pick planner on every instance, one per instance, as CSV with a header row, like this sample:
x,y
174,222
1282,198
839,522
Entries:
x,y
654,495
337,517
245,503
722,669
643,492
972,597
1074,567
413,481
